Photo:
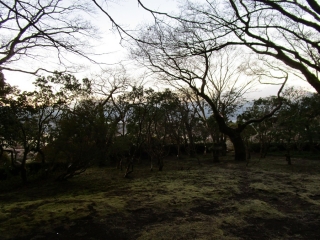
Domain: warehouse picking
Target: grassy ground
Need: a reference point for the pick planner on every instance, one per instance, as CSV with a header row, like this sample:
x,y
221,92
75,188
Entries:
x,y
266,199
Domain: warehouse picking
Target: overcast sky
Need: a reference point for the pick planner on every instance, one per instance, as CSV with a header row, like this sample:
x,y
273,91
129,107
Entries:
x,y
128,14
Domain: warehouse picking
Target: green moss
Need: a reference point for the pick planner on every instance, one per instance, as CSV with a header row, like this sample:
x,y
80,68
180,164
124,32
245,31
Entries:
x,y
232,221
270,187
258,208
185,230
109,205
3,216
209,200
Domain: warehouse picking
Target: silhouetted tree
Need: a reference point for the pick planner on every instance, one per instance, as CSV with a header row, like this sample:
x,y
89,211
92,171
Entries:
x,y
162,51
293,40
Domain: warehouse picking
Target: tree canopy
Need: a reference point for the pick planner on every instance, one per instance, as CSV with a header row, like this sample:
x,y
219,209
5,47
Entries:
x,y
283,31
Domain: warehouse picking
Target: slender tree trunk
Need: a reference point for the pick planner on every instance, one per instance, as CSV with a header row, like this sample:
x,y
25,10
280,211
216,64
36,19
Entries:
x,y
310,140
288,155
178,150
216,153
248,152
43,158
261,147
151,163
160,163
23,166
288,158
192,151
129,168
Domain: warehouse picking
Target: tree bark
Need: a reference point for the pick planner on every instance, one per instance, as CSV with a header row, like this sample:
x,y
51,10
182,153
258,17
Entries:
x,y
160,163
191,146
234,134
43,158
23,166
239,146
216,153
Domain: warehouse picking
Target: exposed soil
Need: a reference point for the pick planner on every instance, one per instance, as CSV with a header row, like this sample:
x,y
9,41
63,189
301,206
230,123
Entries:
x,y
265,200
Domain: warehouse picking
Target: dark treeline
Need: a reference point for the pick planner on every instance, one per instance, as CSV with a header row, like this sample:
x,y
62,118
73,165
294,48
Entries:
x,y
294,127
212,53
70,125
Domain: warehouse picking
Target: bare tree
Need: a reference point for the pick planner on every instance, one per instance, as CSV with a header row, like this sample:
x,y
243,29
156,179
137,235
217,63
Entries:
x,y
286,31
52,31
162,51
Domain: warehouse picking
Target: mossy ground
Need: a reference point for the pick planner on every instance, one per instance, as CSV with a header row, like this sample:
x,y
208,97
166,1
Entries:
x,y
265,199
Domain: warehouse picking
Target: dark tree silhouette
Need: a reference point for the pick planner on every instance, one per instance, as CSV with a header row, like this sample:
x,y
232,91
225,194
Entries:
x,y
286,31
160,50
32,31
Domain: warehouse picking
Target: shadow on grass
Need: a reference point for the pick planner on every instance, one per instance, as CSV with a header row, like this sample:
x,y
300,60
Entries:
x,y
265,199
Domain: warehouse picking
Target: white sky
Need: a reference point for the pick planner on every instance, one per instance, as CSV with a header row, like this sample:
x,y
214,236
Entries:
x,y
128,14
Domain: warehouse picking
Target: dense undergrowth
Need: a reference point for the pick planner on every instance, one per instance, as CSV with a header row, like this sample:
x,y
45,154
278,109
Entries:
x,y
262,199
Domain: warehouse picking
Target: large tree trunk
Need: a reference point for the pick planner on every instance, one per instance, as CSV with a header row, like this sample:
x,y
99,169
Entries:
x,y
239,146
235,137
234,134
237,141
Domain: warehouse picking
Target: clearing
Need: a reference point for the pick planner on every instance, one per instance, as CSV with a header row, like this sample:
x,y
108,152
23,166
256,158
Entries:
x,y
265,200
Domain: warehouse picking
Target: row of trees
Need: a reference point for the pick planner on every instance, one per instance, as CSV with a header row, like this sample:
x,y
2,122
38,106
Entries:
x,y
63,121
182,48
294,126
212,52
62,118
